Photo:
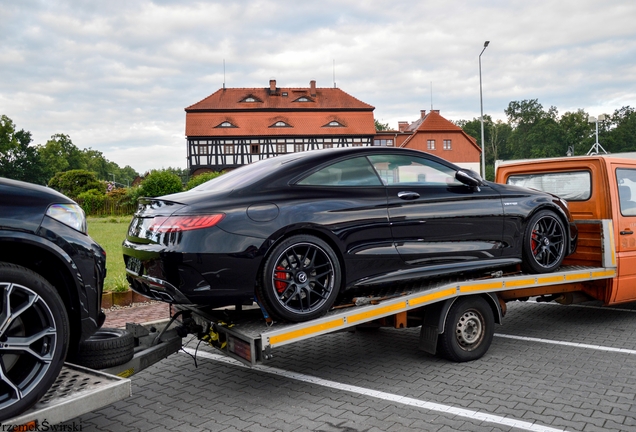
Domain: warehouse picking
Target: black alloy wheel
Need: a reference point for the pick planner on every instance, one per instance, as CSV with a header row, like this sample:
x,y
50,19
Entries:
x,y
468,330
544,243
34,334
301,279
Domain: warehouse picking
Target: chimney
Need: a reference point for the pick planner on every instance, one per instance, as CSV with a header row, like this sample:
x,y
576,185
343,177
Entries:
x,y
403,126
272,86
422,113
435,111
312,88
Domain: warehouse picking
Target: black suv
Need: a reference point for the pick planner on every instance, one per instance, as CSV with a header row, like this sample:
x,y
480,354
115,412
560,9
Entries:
x,y
51,280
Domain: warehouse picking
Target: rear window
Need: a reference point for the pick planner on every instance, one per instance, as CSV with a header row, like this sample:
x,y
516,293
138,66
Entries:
x,y
571,186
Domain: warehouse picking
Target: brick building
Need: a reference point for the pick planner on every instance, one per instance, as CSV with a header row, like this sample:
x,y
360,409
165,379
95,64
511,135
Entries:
x,y
237,126
434,134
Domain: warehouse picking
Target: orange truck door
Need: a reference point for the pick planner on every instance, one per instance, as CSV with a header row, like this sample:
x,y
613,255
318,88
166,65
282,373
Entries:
x,y
625,224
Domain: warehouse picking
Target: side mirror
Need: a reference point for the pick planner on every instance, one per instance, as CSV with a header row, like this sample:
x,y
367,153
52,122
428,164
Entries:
x,y
469,178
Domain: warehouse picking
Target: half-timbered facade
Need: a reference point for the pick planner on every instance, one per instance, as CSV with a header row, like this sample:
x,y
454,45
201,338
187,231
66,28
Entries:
x,y
234,127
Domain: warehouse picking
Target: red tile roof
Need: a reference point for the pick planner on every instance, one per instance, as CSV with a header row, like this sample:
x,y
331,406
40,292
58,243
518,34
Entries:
x,y
279,104
260,123
231,99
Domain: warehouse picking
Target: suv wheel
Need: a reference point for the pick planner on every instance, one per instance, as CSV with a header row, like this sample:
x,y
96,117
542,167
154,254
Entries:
x,y
34,335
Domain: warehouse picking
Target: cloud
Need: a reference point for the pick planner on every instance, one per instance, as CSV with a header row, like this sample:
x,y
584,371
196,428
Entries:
x,y
117,75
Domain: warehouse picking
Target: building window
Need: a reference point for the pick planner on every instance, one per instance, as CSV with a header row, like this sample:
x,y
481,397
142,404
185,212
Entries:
x,y
327,145
250,99
430,144
229,149
280,124
255,149
303,99
299,148
281,148
226,124
447,144
382,142
334,123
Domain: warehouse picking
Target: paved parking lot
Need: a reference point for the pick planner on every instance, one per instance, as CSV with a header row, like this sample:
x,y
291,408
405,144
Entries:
x,y
550,368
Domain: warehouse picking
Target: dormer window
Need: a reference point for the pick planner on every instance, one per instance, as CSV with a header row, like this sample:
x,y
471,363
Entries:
x,y
226,124
303,99
334,123
280,123
251,99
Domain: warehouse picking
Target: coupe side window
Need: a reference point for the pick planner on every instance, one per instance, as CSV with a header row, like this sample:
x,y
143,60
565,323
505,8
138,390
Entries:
x,y
350,172
412,170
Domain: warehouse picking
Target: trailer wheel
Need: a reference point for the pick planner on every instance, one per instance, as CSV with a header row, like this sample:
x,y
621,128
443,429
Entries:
x,y
108,347
543,243
469,328
34,337
301,279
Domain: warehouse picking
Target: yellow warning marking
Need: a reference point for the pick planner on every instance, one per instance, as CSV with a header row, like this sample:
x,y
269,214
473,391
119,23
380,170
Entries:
x,y
577,276
485,286
550,279
376,312
611,240
519,283
434,296
605,273
126,373
297,334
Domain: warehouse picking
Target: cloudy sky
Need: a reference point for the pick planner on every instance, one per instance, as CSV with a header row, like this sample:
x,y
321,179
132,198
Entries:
x,y
116,75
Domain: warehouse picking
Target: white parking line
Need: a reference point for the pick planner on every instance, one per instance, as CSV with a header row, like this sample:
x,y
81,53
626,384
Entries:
x,y
572,344
605,308
461,412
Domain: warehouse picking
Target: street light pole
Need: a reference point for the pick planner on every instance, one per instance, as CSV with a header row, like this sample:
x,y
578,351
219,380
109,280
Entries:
x,y
481,103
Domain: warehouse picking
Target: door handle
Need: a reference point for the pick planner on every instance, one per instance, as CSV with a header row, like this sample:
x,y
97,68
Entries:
x,y
627,232
405,195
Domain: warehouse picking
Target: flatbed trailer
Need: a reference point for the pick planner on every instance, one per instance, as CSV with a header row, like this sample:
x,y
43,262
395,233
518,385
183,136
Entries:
x,y
246,335
79,390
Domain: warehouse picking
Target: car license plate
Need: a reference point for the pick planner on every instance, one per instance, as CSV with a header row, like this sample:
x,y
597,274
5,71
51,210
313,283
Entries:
x,y
134,265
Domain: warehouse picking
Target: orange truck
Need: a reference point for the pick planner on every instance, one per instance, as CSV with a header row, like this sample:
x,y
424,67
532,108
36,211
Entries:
x,y
597,188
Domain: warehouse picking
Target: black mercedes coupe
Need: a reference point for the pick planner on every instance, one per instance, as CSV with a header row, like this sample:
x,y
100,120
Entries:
x,y
295,231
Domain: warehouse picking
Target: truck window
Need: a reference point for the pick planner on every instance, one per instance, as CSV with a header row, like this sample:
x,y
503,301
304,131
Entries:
x,y
626,180
571,186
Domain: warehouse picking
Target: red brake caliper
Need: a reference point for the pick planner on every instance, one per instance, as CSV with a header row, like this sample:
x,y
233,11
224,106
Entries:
x,y
280,285
533,241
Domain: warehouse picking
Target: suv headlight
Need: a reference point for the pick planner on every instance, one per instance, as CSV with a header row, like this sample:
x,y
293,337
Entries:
x,y
69,214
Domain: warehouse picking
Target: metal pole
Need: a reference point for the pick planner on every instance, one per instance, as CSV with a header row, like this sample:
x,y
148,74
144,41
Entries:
x,y
481,103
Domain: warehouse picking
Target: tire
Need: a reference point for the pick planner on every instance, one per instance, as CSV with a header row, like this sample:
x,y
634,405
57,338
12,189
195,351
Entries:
x,y
544,243
301,279
468,330
34,338
108,347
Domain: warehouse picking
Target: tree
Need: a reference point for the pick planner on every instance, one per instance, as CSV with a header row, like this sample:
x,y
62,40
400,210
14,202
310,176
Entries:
x,y
577,132
72,183
201,178
619,133
381,126
60,154
19,160
159,183
536,133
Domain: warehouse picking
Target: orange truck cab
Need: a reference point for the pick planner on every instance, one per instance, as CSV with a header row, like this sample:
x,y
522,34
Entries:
x,y
600,187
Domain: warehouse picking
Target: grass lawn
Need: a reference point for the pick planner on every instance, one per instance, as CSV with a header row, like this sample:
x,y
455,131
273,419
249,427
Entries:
x,y
110,232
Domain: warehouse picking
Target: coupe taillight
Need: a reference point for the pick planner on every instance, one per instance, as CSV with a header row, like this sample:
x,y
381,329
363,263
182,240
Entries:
x,y
171,224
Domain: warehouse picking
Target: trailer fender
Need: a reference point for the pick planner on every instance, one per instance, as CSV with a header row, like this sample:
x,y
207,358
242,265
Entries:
x,y
435,318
